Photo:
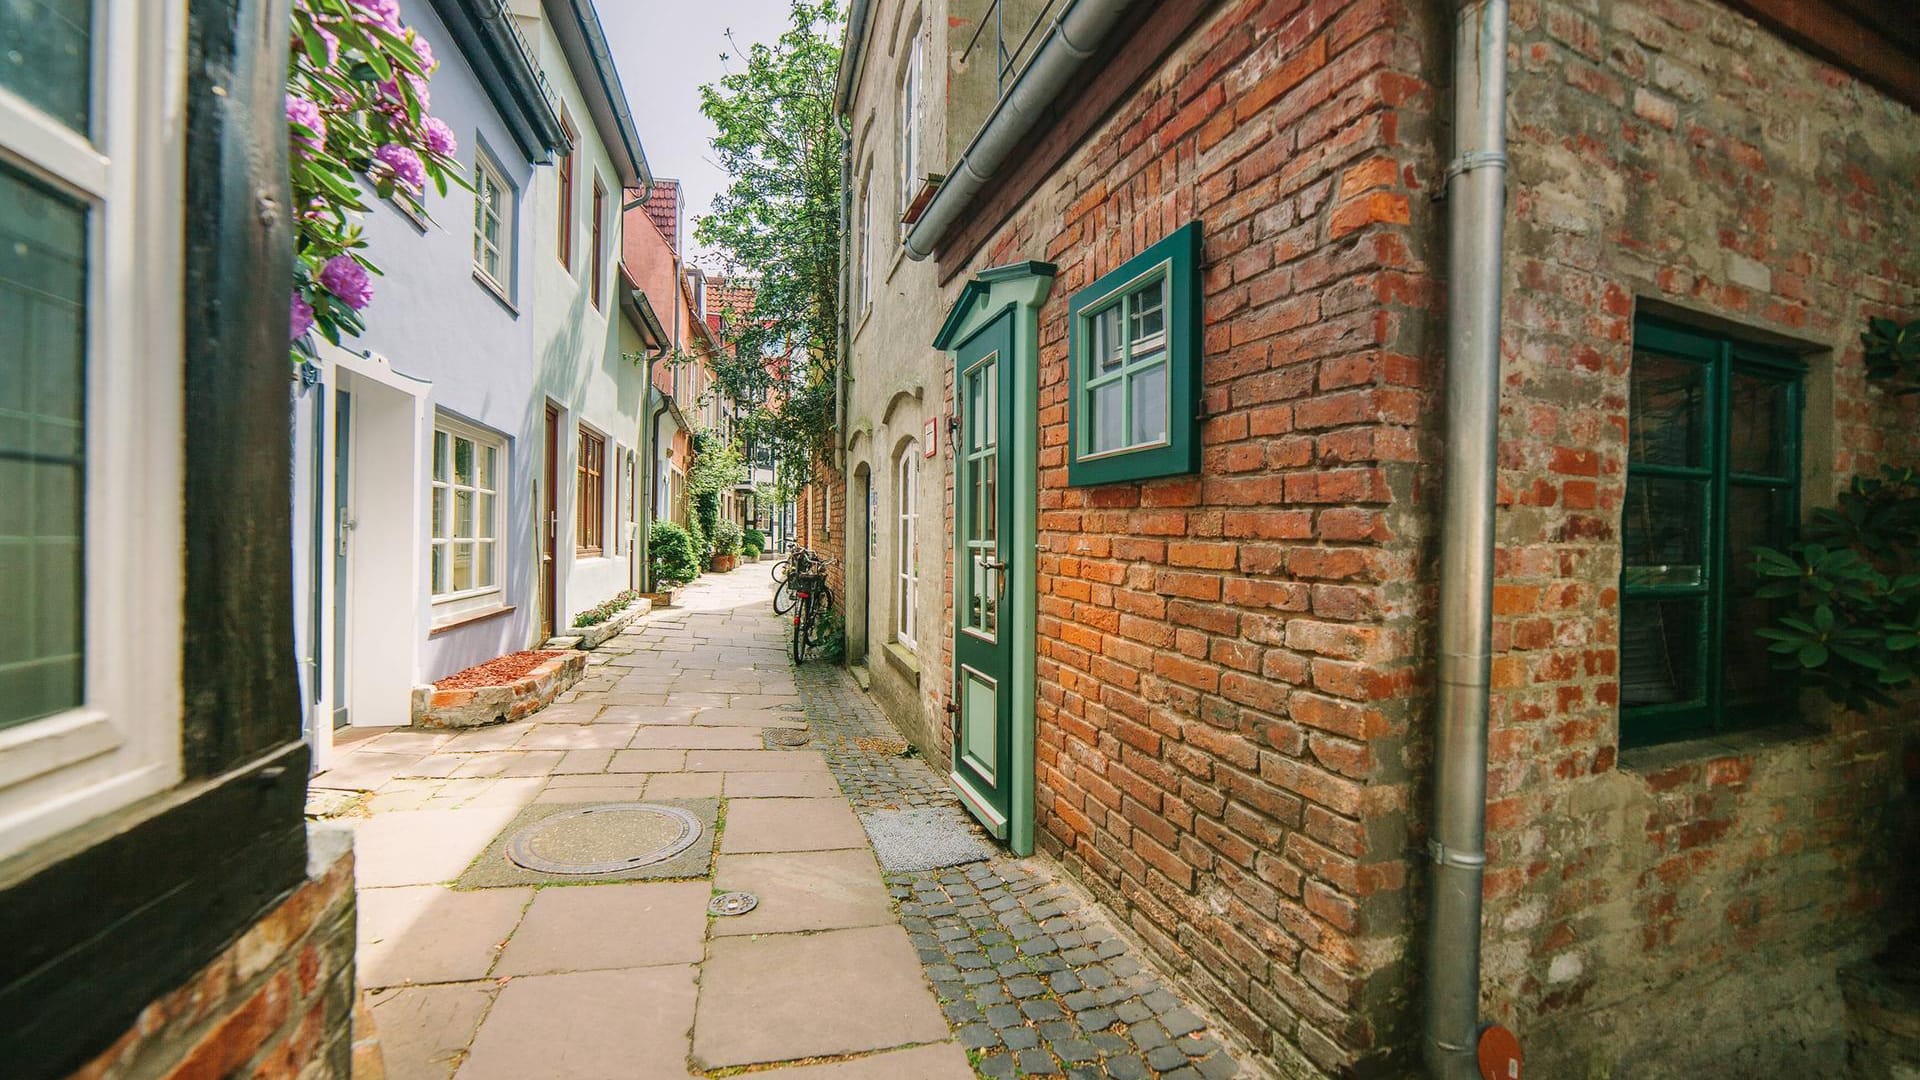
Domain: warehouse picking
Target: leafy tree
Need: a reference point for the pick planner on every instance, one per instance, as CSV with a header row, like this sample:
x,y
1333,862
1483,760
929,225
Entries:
x,y
716,467
779,218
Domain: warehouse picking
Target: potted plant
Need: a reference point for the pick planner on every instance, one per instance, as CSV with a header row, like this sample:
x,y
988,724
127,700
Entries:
x,y
673,558
726,546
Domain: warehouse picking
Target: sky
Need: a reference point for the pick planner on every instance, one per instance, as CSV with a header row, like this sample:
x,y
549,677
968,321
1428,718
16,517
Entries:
x,y
665,50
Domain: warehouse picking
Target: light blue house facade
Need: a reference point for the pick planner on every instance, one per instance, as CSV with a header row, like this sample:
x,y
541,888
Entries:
x,y
418,447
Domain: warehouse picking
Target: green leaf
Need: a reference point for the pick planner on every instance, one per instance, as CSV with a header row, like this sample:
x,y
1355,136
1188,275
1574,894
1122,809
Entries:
x,y
1813,654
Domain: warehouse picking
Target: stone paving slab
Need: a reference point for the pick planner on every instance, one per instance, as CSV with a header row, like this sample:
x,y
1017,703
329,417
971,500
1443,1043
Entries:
x,y
755,761
790,825
696,738
762,998
775,785
588,927
591,1025
939,1061
804,890
425,1030
418,847
431,934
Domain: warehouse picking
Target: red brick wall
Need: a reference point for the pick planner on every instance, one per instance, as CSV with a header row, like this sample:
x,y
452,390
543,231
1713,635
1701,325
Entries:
x,y
1672,152
275,1005
1224,658
1234,668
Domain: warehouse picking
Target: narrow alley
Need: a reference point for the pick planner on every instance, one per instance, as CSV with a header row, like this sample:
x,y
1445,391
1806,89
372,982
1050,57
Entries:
x,y
905,949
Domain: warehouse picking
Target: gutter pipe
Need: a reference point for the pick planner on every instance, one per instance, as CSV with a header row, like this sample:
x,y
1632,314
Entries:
x,y
1076,34
1476,212
851,56
846,289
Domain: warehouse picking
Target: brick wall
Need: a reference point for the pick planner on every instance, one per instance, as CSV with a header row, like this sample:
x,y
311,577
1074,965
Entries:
x,y
1234,679
1659,909
276,1004
1224,659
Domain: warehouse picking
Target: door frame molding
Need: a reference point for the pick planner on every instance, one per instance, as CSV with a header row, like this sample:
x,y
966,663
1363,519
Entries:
x,y
1022,289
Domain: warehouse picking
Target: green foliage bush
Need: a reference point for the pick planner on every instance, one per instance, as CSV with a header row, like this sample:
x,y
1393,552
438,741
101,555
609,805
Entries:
x,y
754,538
726,538
673,555
1854,628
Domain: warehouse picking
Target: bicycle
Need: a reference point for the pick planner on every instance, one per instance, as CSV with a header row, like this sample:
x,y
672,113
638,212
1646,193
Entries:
x,y
799,561
812,603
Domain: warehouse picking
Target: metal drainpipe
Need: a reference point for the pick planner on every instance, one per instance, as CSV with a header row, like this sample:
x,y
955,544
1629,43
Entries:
x,y
1476,209
846,289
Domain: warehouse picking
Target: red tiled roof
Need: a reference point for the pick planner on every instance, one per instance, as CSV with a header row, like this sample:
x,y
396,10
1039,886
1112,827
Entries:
x,y
663,206
730,296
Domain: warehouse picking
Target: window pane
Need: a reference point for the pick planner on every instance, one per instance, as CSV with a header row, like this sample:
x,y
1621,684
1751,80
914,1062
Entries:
x,y
462,566
1148,309
43,281
486,516
45,56
1755,517
1664,525
488,459
1666,411
1659,652
1757,426
1149,389
440,456
1108,348
483,575
1108,419
439,568
463,462
439,501
462,513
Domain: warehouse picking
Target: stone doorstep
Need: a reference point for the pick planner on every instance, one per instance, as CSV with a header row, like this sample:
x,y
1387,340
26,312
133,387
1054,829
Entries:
x,y
478,706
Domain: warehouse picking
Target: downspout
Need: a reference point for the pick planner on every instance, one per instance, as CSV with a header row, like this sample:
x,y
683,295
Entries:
x,y
1476,210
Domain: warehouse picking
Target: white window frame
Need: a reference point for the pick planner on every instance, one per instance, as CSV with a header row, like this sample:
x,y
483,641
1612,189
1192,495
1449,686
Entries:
x,y
453,604
866,241
489,177
906,548
123,742
912,89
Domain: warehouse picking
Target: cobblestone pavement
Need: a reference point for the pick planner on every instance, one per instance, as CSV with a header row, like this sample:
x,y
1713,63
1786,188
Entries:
x,y
1030,975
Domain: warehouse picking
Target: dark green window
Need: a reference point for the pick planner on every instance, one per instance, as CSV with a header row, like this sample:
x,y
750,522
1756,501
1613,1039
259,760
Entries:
x,y
1134,336
1713,470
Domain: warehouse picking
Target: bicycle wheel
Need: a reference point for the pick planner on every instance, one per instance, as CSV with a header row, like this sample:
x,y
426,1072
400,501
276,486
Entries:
x,y
822,606
783,569
802,628
783,597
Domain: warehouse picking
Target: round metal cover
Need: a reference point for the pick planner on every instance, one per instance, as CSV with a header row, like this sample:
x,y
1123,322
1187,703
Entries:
x,y
787,736
604,838
732,903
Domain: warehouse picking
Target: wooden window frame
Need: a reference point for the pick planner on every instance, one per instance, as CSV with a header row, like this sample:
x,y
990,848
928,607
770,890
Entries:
x,y
599,246
1720,357
589,492
1176,259
566,191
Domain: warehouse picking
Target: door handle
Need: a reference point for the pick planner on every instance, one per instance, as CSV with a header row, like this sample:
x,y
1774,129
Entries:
x,y
347,525
991,563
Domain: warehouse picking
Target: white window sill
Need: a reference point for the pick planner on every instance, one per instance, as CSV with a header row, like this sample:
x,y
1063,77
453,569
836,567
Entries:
x,y
495,290
41,746
455,621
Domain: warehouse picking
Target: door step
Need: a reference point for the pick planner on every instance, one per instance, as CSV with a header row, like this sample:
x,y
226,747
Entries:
x,y
861,675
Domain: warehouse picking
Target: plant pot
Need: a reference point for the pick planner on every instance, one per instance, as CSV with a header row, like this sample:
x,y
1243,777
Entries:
x,y
724,563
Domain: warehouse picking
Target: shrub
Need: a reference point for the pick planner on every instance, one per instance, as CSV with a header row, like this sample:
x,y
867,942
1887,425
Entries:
x,y
673,557
749,551
726,538
754,538
1854,585
702,543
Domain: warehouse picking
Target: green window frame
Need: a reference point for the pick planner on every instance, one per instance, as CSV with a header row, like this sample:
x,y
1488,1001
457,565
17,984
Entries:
x,y
1713,469
1134,341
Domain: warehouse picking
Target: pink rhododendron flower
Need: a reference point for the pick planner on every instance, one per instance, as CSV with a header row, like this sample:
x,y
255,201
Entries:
x,y
382,13
406,166
302,320
438,137
345,278
306,114
332,42
424,50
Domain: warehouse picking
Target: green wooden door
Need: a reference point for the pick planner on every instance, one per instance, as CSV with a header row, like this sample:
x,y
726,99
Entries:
x,y
983,507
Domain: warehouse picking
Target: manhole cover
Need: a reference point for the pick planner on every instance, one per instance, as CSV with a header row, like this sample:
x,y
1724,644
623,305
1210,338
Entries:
x,y
786,736
732,903
604,838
